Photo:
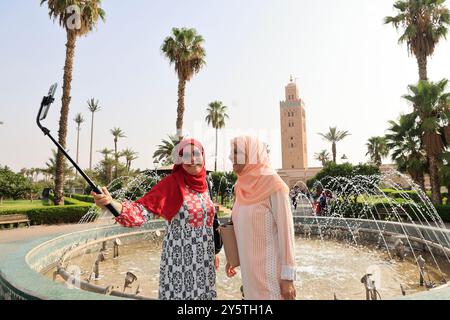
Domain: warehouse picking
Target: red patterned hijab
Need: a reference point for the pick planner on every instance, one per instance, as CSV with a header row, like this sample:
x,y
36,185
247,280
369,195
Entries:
x,y
166,198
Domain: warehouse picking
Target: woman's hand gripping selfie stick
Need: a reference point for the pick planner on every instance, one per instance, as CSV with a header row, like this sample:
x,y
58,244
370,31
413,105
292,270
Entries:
x,y
43,110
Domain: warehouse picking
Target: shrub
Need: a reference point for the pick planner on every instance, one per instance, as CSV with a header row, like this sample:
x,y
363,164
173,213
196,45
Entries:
x,y
83,198
72,212
14,185
342,170
57,214
399,194
444,212
52,214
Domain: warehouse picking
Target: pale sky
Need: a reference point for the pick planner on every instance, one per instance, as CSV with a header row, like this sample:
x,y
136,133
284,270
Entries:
x,y
350,70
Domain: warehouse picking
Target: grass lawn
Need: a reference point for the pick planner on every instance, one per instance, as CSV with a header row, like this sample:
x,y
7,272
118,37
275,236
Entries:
x,y
22,204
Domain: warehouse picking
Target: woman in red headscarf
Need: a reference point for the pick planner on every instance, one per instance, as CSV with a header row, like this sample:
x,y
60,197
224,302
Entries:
x,y
188,260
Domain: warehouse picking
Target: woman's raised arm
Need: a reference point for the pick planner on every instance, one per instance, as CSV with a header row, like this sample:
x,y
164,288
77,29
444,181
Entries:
x,y
131,214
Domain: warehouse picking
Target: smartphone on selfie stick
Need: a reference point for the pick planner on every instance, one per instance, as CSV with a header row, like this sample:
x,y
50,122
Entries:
x,y
43,111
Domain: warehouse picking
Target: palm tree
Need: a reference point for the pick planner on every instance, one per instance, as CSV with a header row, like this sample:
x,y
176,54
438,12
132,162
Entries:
x,y
216,115
163,152
334,136
129,155
25,173
444,174
106,153
79,120
107,163
78,18
184,49
93,108
45,173
323,157
404,141
431,106
377,150
424,23
117,133
51,166
34,174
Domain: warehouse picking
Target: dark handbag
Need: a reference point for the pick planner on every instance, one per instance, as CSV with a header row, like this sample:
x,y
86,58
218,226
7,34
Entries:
x,y
217,239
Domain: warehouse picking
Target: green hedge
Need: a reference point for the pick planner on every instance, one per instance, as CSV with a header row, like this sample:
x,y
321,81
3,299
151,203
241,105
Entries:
x,y
53,215
444,212
398,194
58,214
72,201
353,210
82,197
72,212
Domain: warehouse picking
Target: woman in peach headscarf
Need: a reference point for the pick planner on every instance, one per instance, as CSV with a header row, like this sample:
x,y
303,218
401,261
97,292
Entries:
x,y
263,224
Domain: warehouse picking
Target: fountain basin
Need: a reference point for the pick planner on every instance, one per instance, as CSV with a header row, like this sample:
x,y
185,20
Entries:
x,y
22,265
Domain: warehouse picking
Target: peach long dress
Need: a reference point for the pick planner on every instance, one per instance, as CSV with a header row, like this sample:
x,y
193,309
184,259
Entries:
x,y
265,237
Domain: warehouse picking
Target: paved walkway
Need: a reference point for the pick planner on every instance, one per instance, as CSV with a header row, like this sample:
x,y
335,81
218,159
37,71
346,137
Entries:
x,y
34,232
225,210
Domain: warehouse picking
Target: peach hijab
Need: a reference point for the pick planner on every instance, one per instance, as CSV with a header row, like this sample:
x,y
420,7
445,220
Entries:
x,y
258,180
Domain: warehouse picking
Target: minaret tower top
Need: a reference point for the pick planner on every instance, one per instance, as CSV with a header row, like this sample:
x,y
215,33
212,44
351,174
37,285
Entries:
x,y
292,91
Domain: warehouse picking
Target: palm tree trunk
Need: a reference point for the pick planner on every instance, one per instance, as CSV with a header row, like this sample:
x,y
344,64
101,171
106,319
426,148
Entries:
x,y
448,193
333,150
180,109
215,160
78,147
422,64
68,66
378,161
436,196
107,173
92,139
418,178
421,180
109,177
116,158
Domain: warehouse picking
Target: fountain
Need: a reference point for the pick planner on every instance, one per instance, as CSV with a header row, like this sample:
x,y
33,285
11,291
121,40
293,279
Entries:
x,y
399,249
129,279
371,290
363,231
117,243
100,258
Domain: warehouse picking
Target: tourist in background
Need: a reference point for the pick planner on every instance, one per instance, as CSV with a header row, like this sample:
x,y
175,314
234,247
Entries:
x,y
294,194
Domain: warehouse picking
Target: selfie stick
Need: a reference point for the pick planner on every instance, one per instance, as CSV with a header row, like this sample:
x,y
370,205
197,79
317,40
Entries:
x,y
43,110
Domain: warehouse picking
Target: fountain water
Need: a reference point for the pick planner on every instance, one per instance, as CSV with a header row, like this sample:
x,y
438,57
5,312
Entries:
x,y
361,223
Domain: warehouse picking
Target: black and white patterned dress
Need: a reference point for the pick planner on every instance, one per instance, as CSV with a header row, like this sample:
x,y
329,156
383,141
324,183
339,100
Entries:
x,y
187,269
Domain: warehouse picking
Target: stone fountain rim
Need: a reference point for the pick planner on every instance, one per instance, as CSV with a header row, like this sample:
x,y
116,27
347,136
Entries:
x,y
21,256
63,272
